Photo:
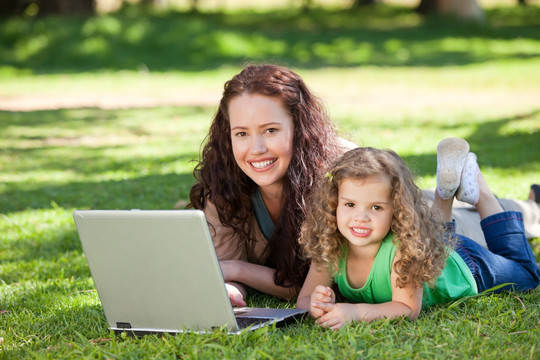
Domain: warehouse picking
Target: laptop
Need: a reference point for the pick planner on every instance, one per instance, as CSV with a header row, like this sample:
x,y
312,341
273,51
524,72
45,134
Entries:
x,y
156,271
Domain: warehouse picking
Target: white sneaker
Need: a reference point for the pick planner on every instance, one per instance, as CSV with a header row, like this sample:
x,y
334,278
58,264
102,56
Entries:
x,y
451,155
469,191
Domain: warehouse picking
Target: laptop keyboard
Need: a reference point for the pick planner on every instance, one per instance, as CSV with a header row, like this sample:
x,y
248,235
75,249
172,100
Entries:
x,y
244,322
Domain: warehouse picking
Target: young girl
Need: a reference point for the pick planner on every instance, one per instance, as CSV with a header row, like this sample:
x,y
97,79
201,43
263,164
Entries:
x,y
371,232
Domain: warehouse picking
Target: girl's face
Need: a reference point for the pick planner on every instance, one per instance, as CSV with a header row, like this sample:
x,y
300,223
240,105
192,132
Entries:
x,y
262,138
364,211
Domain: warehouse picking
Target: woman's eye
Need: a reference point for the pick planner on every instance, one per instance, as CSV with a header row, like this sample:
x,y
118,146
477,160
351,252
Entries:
x,y
240,133
271,130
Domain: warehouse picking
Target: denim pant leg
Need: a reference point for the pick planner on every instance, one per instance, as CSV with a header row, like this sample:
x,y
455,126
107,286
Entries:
x,y
509,257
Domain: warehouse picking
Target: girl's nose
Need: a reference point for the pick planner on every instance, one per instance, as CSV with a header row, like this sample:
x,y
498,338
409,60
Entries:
x,y
361,215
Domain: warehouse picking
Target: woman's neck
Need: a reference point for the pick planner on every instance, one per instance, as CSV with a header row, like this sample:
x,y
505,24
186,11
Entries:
x,y
272,197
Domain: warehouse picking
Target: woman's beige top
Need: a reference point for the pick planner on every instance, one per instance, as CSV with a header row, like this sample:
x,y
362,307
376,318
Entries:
x,y
229,246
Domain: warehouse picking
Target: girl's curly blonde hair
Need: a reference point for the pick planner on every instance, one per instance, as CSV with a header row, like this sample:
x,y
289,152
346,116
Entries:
x,y
417,236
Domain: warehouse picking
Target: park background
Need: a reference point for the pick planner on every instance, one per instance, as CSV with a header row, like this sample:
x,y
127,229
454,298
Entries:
x,y
108,110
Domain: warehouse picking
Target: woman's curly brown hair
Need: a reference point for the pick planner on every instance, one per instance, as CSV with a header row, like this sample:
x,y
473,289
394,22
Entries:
x,y
417,236
221,181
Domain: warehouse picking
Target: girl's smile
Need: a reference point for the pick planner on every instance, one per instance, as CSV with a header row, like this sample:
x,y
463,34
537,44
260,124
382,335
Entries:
x,y
361,232
364,211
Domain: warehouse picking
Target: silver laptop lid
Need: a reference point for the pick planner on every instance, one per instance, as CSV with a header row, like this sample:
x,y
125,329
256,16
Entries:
x,y
155,270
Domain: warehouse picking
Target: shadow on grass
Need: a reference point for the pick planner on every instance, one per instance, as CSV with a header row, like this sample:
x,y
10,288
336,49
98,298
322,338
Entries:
x,y
145,192
45,255
381,36
93,141
82,118
91,161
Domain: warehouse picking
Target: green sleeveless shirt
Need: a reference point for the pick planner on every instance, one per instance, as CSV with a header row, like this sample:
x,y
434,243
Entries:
x,y
456,280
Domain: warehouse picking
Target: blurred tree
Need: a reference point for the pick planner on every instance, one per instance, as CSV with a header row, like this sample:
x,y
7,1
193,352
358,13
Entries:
x,y
47,7
359,3
306,4
463,9
427,7
155,3
66,7
194,5
13,7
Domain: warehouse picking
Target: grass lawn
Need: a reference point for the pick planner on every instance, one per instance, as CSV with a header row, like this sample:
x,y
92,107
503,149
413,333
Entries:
x,y
109,112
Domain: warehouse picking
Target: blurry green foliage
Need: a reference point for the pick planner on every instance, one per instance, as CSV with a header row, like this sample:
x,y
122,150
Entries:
x,y
382,35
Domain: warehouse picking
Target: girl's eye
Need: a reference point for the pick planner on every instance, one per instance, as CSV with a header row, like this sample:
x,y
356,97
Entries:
x,y
377,207
349,204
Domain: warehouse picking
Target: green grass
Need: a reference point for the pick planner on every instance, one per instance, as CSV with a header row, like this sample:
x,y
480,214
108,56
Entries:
x,y
389,79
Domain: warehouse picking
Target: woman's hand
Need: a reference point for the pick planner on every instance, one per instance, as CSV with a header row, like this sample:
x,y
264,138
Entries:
x,y
235,295
321,295
229,269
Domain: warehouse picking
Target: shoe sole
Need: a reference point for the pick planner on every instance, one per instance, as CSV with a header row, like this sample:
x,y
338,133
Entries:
x,y
451,155
469,191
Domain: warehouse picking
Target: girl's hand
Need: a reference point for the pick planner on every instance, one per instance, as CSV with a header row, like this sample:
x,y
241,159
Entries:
x,y
335,315
322,294
236,297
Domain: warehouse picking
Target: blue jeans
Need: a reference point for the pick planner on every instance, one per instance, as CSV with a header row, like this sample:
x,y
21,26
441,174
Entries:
x,y
509,259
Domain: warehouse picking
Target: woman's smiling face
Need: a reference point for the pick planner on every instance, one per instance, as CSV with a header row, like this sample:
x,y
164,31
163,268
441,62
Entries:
x,y
262,138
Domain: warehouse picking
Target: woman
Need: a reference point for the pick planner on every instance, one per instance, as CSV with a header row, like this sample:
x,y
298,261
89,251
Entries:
x,y
268,143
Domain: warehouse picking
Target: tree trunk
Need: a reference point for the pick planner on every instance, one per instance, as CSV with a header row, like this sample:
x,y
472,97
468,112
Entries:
x,y
463,9
66,7
360,3
162,4
426,7
12,7
306,5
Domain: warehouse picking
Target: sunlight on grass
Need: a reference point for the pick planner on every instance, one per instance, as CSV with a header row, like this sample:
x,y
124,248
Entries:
x,y
234,44
104,26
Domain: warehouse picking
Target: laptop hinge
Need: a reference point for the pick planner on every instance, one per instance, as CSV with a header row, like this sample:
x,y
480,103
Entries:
x,y
123,325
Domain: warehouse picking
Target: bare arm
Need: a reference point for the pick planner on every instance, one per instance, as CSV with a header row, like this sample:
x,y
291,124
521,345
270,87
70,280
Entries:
x,y
256,276
406,301
340,314
230,249
315,289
